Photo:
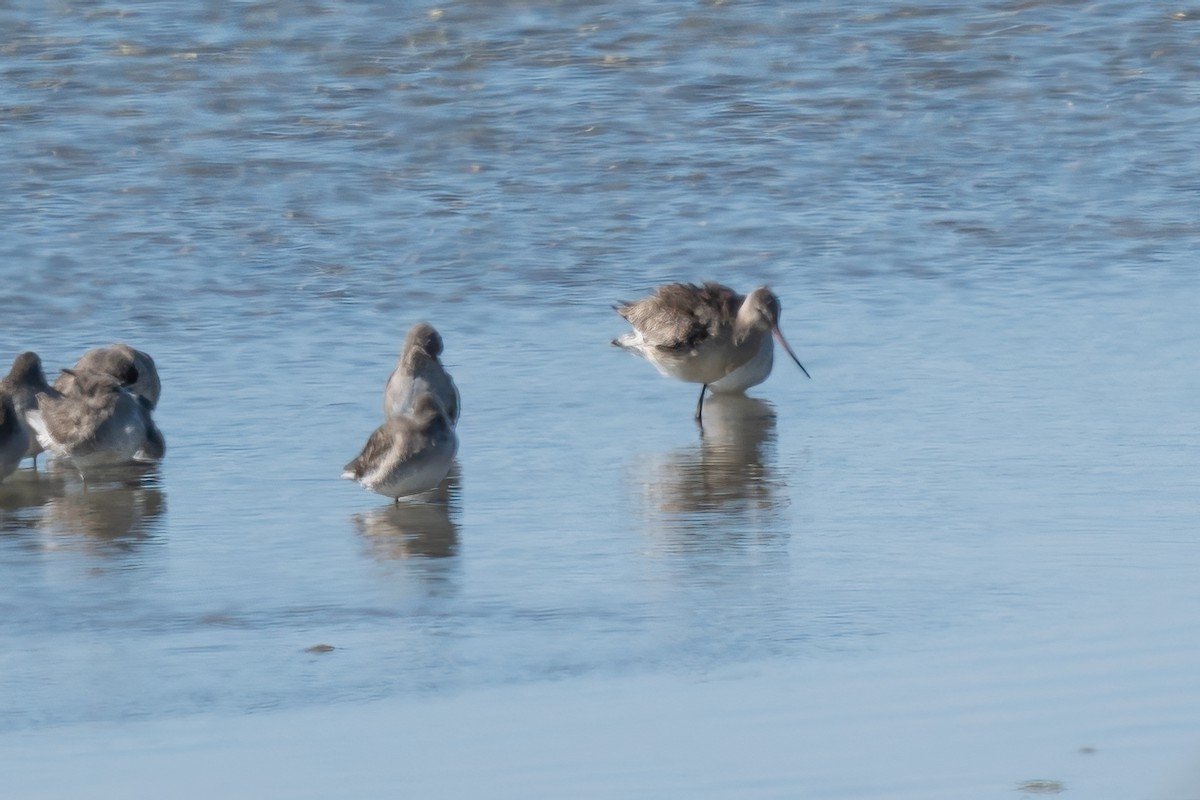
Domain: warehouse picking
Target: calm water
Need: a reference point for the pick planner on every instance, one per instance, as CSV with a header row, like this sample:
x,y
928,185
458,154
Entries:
x,y
982,221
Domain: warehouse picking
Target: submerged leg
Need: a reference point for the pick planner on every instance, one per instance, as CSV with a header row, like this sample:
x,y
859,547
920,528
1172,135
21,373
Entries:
x,y
700,403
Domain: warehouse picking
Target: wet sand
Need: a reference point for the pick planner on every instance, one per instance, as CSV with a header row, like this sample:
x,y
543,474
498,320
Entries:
x,y
822,730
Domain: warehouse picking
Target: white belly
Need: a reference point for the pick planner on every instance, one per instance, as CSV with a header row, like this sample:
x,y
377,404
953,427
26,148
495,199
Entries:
x,y
419,474
752,373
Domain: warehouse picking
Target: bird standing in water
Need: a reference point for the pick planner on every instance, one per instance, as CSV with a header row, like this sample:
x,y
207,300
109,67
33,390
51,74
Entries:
x,y
136,372
97,424
706,334
407,454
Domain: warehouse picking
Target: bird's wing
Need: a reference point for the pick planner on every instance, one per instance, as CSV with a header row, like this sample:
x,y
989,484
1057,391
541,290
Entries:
x,y
681,315
394,440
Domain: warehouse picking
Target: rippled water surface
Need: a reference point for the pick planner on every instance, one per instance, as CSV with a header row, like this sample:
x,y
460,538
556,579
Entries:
x,y
982,222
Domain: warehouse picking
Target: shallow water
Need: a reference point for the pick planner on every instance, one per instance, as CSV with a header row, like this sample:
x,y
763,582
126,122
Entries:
x,y
981,222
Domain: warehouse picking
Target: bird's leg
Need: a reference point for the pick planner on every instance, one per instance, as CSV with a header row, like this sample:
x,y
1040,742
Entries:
x,y
700,405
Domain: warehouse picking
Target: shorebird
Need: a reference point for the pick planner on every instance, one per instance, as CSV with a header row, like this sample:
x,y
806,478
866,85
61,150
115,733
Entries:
x,y
135,370
24,382
418,371
707,334
14,439
408,454
97,423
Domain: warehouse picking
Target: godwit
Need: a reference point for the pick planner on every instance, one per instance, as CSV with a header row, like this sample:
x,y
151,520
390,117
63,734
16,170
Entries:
x,y
136,372
96,424
407,454
419,371
707,334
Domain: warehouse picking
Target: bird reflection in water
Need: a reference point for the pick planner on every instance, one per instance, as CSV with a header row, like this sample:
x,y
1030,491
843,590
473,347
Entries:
x,y
117,509
725,484
414,529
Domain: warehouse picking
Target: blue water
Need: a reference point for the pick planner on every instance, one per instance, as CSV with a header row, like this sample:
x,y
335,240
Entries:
x,y
981,222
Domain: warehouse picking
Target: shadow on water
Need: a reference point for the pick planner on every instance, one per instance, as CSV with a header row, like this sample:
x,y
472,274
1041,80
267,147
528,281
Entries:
x,y
417,528
723,490
117,508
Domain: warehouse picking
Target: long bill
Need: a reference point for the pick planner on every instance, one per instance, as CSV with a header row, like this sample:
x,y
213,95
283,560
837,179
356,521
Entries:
x,y
779,336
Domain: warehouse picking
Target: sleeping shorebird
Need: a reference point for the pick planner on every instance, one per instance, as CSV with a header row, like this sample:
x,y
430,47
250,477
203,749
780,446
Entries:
x,y
14,439
707,334
24,382
408,454
135,370
96,424
418,371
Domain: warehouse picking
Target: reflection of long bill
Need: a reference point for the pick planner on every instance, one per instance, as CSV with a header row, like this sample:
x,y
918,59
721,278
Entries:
x,y
779,337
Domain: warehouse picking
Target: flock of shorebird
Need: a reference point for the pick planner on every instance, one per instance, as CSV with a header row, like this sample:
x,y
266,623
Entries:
x,y
98,412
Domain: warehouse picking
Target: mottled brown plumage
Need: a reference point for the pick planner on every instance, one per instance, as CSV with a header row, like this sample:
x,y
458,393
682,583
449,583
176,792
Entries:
x,y
97,423
407,454
137,373
133,369
683,315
